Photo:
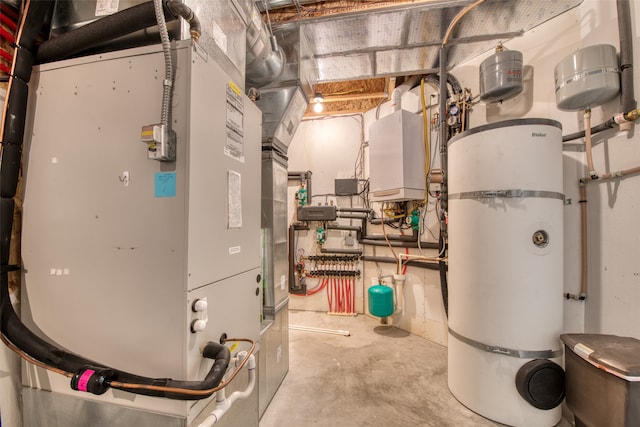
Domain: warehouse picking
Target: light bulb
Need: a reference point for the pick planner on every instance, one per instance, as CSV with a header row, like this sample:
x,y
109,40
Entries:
x,y
318,107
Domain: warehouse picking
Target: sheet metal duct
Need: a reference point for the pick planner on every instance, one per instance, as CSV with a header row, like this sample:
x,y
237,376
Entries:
x,y
282,110
265,59
405,40
285,100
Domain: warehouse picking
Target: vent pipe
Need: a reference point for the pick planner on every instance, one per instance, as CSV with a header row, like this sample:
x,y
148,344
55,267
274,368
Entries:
x,y
265,59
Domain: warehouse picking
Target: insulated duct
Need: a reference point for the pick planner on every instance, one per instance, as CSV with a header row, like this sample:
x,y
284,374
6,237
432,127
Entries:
x,y
265,59
100,31
285,98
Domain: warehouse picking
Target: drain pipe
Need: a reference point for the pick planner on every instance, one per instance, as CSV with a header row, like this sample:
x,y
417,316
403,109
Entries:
x,y
223,404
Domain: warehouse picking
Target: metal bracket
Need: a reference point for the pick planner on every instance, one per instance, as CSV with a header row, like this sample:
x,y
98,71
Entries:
x,y
507,194
521,354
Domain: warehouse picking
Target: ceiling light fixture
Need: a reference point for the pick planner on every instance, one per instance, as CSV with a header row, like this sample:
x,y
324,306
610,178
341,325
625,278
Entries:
x,y
318,98
318,107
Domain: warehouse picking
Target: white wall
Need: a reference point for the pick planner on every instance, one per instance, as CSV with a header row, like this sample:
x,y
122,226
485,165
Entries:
x,y
614,230
330,149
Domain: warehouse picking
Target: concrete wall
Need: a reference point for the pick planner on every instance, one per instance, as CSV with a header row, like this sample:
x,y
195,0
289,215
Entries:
x,y
614,231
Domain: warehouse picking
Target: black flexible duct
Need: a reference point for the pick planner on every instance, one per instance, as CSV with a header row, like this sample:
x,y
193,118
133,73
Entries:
x,y
180,9
100,31
444,287
86,375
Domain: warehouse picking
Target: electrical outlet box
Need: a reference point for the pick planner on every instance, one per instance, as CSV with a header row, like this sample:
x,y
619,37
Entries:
x,y
346,187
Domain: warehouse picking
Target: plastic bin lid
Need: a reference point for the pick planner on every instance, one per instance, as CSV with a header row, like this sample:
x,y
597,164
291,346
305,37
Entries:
x,y
620,355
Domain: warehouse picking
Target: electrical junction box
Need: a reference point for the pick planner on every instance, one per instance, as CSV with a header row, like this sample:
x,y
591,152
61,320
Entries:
x,y
397,158
346,187
116,247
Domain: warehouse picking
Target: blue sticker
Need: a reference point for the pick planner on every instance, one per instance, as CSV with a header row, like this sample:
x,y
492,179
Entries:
x,y
165,184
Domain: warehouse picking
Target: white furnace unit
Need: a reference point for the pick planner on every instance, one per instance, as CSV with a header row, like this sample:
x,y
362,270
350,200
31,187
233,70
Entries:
x,y
117,247
397,158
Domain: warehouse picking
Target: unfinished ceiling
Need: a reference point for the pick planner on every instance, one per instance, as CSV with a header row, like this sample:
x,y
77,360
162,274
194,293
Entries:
x,y
361,40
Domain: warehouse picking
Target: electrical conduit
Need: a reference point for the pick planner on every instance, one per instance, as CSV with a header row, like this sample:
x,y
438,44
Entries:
x,y
167,84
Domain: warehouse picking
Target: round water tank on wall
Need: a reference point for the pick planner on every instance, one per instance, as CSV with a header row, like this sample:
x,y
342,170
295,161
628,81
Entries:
x,y
587,78
501,76
505,264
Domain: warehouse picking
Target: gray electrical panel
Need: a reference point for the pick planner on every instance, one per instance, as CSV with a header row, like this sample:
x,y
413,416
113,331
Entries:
x,y
346,186
116,247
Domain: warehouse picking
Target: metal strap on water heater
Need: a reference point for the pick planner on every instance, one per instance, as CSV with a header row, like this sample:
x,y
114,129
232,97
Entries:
x,y
584,74
508,194
521,354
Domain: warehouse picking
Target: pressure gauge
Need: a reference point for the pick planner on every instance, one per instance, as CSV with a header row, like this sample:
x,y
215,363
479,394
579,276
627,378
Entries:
x,y
454,110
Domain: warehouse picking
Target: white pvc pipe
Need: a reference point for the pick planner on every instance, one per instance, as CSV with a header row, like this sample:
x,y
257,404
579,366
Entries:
x,y
398,281
222,403
396,95
320,330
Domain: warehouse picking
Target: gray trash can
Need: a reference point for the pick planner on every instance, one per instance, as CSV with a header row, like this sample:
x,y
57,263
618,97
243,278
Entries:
x,y
603,379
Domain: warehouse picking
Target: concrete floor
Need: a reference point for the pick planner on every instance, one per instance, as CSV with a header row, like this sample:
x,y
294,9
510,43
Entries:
x,y
378,376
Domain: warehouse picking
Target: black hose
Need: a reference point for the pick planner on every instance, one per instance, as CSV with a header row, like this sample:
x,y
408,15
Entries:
x,y
364,210
399,244
609,124
217,352
351,216
444,201
100,31
344,227
180,9
412,263
378,221
626,56
444,286
391,237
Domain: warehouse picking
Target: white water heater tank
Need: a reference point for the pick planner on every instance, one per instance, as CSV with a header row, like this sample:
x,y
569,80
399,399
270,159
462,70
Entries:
x,y
506,271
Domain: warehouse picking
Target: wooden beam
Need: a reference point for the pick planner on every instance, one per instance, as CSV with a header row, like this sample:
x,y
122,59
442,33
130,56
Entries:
x,y
352,97
333,7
